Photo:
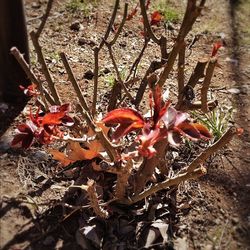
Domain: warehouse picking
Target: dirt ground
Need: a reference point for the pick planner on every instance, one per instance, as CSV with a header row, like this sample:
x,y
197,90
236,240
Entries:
x,y
210,213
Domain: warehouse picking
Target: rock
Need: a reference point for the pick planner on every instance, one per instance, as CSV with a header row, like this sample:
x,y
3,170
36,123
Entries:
x,y
36,5
234,91
235,220
76,26
83,41
88,75
106,70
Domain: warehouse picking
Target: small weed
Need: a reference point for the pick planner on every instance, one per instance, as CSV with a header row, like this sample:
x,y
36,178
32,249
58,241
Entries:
x,y
216,121
170,14
110,80
85,6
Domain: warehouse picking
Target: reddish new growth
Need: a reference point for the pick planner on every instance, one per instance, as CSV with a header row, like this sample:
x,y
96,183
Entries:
x,y
166,122
31,90
43,128
156,17
216,47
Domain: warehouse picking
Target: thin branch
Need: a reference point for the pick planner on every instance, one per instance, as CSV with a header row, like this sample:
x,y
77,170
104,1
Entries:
x,y
165,184
118,32
226,138
147,24
30,74
197,73
205,86
73,81
137,60
191,14
44,18
186,106
118,73
154,65
122,180
96,69
45,70
181,69
111,23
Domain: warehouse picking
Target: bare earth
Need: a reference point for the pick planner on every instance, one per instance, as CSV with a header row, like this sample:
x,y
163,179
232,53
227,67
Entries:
x,y
211,213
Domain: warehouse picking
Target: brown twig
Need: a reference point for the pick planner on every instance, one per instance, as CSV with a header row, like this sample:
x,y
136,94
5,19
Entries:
x,y
165,184
191,13
206,83
147,168
118,73
152,68
30,74
122,180
181,68
147,24
137,60
226,138
119,30
90,188
110,25
96,70
73,81
44,18
45,70
198,73
97,50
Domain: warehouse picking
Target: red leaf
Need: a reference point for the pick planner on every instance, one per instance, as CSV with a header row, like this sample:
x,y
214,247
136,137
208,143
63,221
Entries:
x,y
148,140
31,90
216,47
24,137
155,18
53,118
203,130
128,119
57,116
188,130
123,115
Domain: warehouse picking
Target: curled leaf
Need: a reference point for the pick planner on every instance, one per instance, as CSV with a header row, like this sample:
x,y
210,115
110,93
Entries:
x,y
25,135
127,118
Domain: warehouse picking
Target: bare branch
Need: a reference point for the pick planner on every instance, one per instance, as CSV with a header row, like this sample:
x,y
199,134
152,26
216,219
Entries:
x,y
44,18
96,70
118,73
73,81
111,23
205,86
30,74
118,32
226,138
181,69
191,13
147,24
165,184
45,70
